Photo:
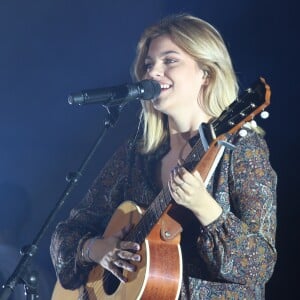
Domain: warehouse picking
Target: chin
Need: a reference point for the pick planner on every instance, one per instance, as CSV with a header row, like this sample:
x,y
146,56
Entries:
x,y
159,104
163,105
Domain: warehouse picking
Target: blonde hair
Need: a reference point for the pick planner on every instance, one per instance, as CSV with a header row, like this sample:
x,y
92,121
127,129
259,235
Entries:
x,y
204,43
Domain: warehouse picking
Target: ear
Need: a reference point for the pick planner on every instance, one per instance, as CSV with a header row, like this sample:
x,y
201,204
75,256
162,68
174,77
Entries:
x,y
206,81
205,77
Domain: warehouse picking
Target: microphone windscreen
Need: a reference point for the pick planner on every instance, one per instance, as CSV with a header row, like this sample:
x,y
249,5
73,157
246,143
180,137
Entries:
x,y
151,89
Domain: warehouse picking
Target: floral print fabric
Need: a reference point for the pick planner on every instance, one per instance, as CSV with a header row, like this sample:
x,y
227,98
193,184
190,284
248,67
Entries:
x,y
232,258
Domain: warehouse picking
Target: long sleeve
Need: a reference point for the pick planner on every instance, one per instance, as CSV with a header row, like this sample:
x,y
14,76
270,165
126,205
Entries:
x,y
239,247
88,219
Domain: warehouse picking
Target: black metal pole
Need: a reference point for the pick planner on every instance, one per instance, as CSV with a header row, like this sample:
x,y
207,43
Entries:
x,y
20,272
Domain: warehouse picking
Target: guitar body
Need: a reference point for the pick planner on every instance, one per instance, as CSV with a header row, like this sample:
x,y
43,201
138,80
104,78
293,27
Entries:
x,y
158,275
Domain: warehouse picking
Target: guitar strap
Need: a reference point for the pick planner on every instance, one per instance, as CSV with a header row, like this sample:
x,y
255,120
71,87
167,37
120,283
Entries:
x,y
170,228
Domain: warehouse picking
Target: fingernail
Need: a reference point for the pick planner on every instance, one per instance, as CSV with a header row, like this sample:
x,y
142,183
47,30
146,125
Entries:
x,y
134,268
180,162
137,257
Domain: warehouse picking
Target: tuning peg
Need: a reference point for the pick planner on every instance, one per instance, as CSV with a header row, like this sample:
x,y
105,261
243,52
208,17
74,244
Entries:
x,y
253,123
243,132
264,114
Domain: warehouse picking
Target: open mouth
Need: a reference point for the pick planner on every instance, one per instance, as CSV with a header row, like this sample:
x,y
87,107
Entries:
x,y
165,86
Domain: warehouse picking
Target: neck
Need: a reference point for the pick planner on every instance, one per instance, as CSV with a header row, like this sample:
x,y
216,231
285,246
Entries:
x,y
187,126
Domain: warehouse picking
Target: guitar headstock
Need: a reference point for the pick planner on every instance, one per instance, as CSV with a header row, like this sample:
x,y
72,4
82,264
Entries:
x,y
244,108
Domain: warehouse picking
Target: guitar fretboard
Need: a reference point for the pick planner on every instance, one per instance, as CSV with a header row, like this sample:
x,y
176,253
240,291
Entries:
x,y
151,216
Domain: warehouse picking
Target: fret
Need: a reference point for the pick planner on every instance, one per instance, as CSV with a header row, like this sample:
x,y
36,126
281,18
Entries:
x,y
166,198
157,208
160,203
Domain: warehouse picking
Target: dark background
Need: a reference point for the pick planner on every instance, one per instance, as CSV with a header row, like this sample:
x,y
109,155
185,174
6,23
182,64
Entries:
x,y
49,49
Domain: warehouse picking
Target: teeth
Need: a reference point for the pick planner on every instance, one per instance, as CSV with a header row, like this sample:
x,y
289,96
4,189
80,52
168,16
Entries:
x,y
165,86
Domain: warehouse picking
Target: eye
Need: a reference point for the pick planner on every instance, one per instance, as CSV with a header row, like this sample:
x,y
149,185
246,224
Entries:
x,y
168,60
147,66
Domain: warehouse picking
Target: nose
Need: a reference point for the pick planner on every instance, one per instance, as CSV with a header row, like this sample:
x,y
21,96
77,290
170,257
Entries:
x,y
156,71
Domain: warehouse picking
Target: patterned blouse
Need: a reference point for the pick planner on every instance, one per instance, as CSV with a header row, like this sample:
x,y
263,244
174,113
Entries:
x,y
231,258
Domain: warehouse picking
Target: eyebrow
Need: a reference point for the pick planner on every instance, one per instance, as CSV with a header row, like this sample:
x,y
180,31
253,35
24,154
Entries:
x,y
164,53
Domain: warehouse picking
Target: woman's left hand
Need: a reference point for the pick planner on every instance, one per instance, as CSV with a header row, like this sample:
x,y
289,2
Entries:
x,y
188,190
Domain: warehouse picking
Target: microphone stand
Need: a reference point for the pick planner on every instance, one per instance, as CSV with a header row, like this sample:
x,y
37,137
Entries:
x,y
21,274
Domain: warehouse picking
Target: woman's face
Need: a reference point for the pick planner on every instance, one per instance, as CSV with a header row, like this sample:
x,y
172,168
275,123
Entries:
x,y
179,75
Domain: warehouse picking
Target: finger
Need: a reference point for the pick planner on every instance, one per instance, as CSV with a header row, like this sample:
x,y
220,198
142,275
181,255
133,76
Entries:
x,y
125,265
177,177
177,172
180,162
181,180
127,245
191,179
171,185
117,273
185,175
173,190
128,255
108,264
197,174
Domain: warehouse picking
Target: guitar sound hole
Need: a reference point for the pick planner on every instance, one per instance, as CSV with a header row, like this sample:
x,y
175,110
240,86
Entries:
x,y
111,283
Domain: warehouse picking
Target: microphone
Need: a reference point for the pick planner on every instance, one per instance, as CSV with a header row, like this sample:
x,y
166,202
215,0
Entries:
x,y
143,90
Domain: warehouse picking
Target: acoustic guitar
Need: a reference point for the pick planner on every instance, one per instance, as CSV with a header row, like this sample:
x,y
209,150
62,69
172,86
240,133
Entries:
x,y
159,273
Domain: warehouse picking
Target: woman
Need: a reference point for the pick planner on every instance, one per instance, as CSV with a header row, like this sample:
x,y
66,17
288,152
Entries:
x,y
228,237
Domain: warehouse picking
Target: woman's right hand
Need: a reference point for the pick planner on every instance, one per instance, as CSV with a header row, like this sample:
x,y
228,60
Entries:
x,y
113,254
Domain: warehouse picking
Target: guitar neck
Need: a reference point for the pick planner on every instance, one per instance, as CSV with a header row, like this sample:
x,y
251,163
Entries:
x,y
162,200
